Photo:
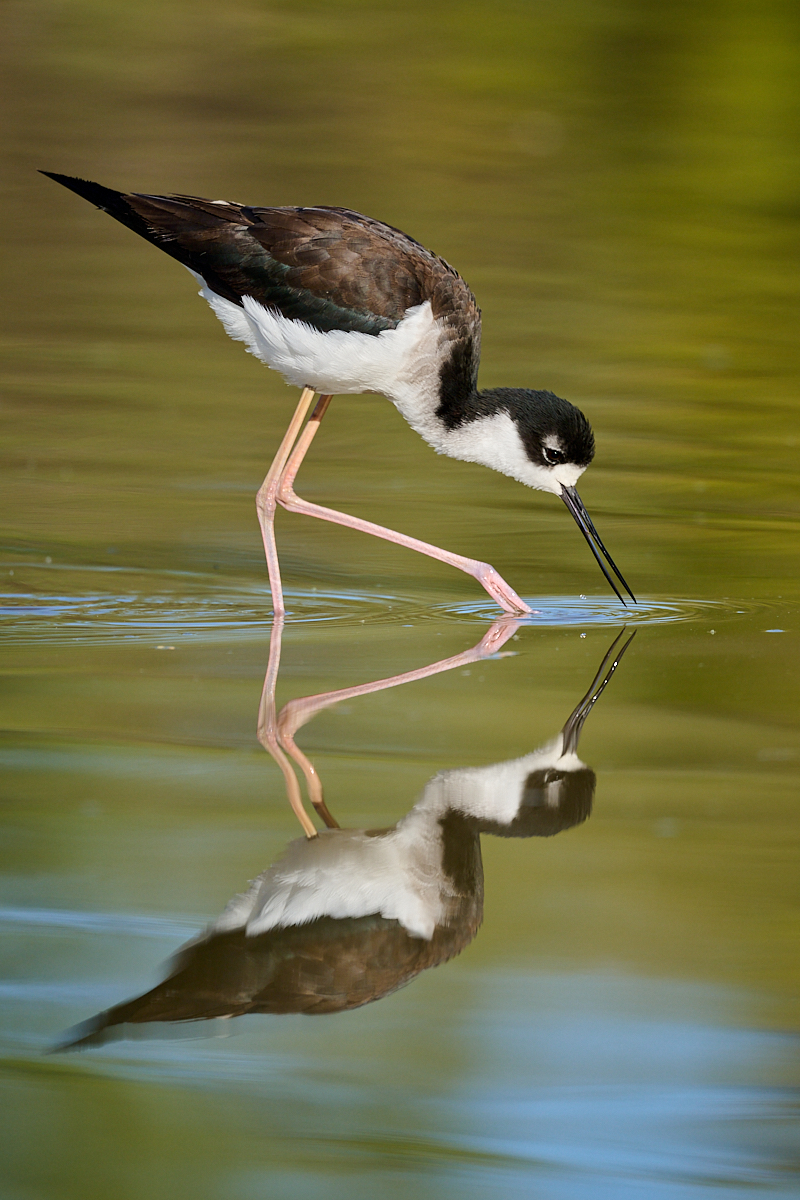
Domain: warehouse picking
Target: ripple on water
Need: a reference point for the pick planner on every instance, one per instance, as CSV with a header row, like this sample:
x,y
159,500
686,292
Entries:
x,y
602,610
102,605
120,605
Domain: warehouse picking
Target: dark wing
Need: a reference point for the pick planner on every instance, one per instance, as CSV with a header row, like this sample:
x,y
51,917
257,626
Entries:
x,y
331,267
329,965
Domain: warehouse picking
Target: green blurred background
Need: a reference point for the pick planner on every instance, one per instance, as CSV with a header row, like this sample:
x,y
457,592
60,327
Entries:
x,y
619,183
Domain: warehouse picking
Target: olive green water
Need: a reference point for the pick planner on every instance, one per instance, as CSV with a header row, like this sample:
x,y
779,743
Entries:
x,y
619,184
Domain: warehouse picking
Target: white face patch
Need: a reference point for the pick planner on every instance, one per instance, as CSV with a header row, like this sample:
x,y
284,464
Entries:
x,y
495,792
566,475
495,442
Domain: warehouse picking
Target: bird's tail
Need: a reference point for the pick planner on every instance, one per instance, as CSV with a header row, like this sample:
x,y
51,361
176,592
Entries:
x,y
116,204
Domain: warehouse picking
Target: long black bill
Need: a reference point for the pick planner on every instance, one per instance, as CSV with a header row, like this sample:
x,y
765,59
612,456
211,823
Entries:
x,y
586,526
577,718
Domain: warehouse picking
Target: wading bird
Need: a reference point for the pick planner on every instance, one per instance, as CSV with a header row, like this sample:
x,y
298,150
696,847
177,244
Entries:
x,y
348,916
340,303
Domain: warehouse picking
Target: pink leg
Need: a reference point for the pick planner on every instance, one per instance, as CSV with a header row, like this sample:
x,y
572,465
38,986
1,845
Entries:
x,y
267,731
313,781
298,712
266,499
494,584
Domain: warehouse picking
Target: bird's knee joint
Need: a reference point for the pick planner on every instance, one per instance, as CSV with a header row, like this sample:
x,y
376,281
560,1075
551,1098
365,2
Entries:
x,y
286,497
266,497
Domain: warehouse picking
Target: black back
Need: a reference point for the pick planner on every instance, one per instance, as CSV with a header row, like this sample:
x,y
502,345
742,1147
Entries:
x,y
331,267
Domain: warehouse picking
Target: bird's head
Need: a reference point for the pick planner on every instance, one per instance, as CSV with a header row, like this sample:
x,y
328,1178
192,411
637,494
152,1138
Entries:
x,y
546,443
551,800
556,438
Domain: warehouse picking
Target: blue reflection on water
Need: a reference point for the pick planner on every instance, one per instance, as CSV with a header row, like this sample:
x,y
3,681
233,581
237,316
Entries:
x,y
558,1086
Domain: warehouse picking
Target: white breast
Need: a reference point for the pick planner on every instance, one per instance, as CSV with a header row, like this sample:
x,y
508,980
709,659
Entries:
x,y
347,873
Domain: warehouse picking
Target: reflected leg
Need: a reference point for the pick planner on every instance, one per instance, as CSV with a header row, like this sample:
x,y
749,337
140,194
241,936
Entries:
x,y
297,712
267,728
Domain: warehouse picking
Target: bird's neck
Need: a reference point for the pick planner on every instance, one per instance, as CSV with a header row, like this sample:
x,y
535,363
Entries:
x,y
461,405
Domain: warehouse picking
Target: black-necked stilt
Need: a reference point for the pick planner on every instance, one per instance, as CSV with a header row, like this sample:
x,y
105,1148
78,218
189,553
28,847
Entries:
x,y
341,303
347,917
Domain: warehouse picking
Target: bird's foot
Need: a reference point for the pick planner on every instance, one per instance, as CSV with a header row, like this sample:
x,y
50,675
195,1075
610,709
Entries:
x,y
500,591
496,636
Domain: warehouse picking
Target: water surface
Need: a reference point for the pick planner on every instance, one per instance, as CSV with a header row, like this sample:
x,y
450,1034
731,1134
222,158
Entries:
x,y
619,186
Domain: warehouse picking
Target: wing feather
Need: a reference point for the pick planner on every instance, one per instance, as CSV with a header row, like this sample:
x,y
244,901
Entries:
x,y
332,267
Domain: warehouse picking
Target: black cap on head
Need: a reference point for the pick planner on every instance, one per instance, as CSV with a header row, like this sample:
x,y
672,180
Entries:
x,y
542,418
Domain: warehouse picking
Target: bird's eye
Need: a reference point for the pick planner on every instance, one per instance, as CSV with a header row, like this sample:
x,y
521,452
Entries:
x,y
553,457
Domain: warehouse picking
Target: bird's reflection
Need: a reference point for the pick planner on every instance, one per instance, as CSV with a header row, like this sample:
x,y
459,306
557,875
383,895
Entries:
x,y
346,916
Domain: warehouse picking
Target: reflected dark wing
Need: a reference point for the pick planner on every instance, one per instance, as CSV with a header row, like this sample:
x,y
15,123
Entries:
x,y
326,966
331,267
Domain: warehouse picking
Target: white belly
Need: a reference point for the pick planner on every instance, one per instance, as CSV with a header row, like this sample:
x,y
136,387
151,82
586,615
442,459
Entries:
x,y
402,364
